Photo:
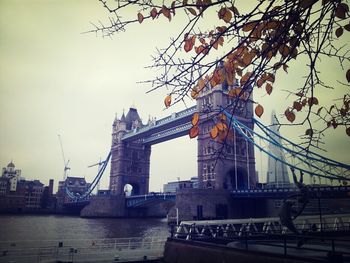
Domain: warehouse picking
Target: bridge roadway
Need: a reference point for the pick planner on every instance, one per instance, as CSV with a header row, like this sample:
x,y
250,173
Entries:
x,y
277,193
176,125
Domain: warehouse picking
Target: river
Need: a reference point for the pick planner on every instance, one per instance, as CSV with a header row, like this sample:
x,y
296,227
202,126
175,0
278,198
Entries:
x,y
56,227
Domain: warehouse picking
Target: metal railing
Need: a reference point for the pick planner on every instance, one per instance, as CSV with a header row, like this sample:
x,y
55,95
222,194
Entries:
x,y
82,250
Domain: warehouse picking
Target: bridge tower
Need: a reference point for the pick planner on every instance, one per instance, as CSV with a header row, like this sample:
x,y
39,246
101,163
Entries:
x,y
130,161
235,167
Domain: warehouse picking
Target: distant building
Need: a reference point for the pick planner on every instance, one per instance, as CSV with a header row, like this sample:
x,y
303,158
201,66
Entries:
x,y
277,174
172,187
18,194
10,172
76,185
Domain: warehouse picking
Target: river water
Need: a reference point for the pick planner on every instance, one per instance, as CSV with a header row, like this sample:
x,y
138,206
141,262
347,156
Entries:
x,y
57,227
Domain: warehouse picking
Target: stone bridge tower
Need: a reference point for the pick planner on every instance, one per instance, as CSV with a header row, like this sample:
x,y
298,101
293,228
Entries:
x,y
130,161
235,167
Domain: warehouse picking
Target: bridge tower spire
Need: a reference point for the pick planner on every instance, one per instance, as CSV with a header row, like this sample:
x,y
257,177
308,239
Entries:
x,y
130,161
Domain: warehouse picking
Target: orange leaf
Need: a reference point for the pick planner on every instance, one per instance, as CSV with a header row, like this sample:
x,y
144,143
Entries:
x,y
235,92
192,11
195,119
194,93
222,117
260,82
167,101
154,13
220,126
201,84
259,110
339,32
214,132
270,77
194,131
140,17
268,88
348,75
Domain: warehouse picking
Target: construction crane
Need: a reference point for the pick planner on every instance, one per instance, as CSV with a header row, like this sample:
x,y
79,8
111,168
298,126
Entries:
x,y
99,167
66,168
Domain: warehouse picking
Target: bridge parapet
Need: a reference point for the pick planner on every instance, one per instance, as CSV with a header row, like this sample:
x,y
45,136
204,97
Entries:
x,y
143,200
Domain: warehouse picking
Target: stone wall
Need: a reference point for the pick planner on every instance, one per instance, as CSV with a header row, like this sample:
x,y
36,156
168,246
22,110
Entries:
x,y
104,206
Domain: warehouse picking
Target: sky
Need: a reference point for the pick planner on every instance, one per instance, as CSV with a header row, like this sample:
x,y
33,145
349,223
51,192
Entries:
x,y
56,80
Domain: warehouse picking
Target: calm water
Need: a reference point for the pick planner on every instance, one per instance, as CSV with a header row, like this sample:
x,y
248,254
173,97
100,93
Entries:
x,y
53,227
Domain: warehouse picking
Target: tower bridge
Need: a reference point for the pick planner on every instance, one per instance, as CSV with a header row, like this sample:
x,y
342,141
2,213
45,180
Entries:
x,y
228,183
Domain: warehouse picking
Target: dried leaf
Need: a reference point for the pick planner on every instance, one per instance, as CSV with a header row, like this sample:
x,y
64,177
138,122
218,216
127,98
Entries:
x,y
235,92
347,27
268,88
225,14
166,12
348,75
309,132
195,119
140,17
260,82
249,26
194,93
192,11
270,77
154,13
339,32
214,132
297,105
312,101
290,115
167,101
234,10
245,77
285,67
348,131
341,10
220,126
307,3
259,110
194,131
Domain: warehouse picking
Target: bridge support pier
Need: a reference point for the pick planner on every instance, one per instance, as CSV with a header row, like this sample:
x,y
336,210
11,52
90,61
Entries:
x,y
200,204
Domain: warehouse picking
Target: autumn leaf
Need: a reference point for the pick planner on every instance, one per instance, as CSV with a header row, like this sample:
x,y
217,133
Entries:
x,y
195,119
154,13
166,12
194,131
312,101
249,26
309,132
222,117
194,93
245,77
268,88
348,75
307,3
347,27
270,77
192,11
167,101
225,14
297,105
260,82
220,126
339,32
285,67
214,132
140,17
341,11
259,110
290,115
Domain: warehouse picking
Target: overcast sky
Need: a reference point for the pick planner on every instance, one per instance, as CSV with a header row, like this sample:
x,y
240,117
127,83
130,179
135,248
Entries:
x,y
55,80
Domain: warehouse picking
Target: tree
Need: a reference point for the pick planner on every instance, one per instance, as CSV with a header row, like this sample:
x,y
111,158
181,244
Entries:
x,y
255,42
